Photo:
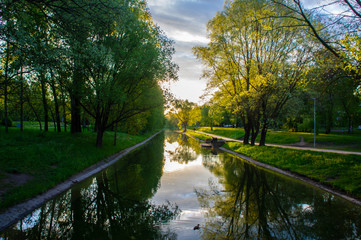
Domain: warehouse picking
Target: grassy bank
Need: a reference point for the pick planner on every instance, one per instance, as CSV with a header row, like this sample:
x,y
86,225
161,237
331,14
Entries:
x,y
341,171
45,159
334,140
225,132
338,170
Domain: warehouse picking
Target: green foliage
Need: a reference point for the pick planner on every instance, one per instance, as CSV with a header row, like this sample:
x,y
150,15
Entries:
x,y
186,112
341,171
106,58
254,62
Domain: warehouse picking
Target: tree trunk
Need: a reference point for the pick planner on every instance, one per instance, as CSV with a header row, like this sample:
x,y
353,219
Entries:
x,y
246,129
45,103
53,118
255,131
100,134
329,115
64,111
36,114
349,125
75,96
21,100
101,121
115,133
56,104
75,115
254,128
6,80
262,141
185,127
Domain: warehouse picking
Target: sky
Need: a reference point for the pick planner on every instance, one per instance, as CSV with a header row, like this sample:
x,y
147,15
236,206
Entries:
x,y
184,22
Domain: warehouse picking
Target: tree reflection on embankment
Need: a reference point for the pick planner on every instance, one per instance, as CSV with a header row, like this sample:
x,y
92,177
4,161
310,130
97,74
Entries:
x,y
253,203
112,205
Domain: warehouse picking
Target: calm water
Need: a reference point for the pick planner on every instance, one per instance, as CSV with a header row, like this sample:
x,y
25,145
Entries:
x,y
171,185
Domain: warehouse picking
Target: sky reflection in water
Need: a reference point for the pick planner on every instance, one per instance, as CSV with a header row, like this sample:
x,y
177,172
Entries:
x,y
137,198
177,185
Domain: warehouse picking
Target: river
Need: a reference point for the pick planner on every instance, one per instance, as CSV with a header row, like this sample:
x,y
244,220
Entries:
x,y
169,186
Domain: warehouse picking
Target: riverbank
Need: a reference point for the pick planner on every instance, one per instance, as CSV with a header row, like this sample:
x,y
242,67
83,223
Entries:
x,y
336,140
14,213
335,173
33,161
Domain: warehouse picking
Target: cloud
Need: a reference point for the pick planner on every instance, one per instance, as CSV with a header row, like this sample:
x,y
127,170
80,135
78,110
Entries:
x,y
184,21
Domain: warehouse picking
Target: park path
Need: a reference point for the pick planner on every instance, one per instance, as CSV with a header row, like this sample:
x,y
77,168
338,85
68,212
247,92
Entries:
x,y
286,146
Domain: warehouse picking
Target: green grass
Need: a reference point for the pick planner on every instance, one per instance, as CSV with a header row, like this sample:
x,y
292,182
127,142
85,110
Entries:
x,y
225,132
335,140
198,135
51,157
341,171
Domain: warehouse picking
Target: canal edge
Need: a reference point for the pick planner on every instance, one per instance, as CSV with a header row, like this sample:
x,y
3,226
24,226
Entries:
x,y
294,175
15,213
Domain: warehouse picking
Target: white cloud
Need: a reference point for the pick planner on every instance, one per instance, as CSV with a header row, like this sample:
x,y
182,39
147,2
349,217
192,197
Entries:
x,y
184,21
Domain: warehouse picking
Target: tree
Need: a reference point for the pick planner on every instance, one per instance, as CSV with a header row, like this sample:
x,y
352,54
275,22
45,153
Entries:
x,y
254,62
108,55
124,62
335,31
184,110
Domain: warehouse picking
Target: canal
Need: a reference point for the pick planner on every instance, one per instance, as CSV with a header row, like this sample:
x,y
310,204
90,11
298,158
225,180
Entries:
x,y
166,188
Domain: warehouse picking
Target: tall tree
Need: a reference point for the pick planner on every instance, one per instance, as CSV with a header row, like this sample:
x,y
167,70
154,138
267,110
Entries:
x,y
183,110
254,61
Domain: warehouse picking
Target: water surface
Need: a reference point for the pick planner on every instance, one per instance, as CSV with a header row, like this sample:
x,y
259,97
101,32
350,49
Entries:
x,y
166,188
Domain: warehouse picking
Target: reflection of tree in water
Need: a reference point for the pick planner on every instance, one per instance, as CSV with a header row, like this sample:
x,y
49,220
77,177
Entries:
x,y
187,149
114,204
257,204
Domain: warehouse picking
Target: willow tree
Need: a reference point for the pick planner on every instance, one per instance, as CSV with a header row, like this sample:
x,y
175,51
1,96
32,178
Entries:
x,y
255,61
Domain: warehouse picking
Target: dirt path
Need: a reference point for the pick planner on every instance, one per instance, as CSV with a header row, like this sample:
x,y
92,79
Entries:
x,y
17,212
287,146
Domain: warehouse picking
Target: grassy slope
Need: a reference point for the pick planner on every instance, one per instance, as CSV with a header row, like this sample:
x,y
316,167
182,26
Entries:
x,y
341,171
226,132
50,158
285,137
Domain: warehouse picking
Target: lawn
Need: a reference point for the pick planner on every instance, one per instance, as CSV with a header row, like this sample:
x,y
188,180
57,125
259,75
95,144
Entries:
x,y
341,171
49,158
225,132
338,170
334,140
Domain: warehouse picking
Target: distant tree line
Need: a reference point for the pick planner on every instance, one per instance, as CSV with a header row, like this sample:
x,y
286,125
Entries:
x,y
76,62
